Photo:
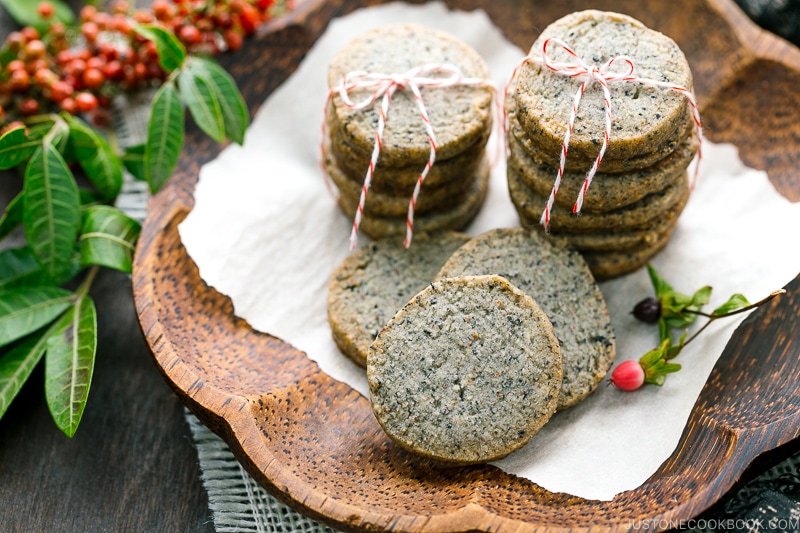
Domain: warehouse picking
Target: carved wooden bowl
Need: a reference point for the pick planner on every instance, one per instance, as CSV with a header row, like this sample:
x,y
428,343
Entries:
x,y
313,442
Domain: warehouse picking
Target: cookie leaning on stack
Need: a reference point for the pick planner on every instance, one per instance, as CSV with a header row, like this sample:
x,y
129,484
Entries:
x,y
633,205
460,116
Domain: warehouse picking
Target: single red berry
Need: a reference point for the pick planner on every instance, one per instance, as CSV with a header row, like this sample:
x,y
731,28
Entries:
x,y
29,106
68,104
120,24
162,9
190,35
30,33
45,10
15,65
113,70
90,30
57,29
64,57
120,7
264,4
140,69
19,81
628,375
223,20
85,102
61,90
88,13
93,78
44,77
102,20
15,41
75,67
248,19
95,62
35,49
233,39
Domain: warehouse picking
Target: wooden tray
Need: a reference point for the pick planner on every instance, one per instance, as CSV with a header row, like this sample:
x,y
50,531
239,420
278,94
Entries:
x,y
313,442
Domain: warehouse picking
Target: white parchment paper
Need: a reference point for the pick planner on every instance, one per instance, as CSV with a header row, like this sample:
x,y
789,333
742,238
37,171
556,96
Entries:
x,y
265,232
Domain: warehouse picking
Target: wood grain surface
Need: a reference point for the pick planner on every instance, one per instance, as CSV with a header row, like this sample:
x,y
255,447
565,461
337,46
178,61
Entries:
x,y
314,443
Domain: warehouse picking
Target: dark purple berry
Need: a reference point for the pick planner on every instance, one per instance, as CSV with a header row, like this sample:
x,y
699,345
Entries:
x,y
648,310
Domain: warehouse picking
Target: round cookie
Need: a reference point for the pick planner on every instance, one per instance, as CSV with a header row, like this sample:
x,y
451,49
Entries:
x,y
607,191
558,279
659,207
467,372
609,241
459,115
455,218
400,180
644,118
610,166
607,265
373,283
381,204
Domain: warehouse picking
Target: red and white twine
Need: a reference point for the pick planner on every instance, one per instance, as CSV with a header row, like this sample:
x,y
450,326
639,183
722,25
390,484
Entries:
x,y
601,75
384,86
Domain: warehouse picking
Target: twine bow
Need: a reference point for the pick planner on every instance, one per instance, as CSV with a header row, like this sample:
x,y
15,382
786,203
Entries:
x,y
384,86
602,75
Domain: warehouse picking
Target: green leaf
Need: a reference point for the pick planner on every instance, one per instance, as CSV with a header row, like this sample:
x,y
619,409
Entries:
x,y
69,364
701,297
164,136
736,301
16,147
171,52
98,160
52,209
25,310
659,284
25,14
202,104
108,238
16,367
12,216
133,159
19,268
235,116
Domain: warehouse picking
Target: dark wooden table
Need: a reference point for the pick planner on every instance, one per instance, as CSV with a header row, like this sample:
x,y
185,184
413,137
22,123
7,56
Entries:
x,y
131,466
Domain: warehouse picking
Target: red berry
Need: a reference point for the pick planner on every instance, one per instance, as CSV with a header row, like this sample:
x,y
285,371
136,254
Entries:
x,y
120,7
233,40
57,29
143,17
102,20
628,375
15,41
61,90
248,19
264,4
68,104
189,35
75,67
20,80
88,13
44,77
162,9
35,49
29,106
95,62
121,24
113,70
85,102
90,30
37,64
30,34
15,65
64,57
45,10
92,78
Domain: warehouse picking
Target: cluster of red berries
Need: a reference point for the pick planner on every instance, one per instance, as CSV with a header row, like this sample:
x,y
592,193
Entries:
x,y
79,70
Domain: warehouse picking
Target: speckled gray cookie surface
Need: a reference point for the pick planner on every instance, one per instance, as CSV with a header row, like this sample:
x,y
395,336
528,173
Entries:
x,y
459,114
658,208
467,372
379,203
375,282
643,117
577,162
400,180
607,191
558,279
455,218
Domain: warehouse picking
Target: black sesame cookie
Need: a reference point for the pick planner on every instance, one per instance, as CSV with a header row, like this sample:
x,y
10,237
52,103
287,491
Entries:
x,y
605,241
454,218
373,283
612,263
467,372
656,208
460,115
558,279
644,118
577,162
430,199
400,180
607,191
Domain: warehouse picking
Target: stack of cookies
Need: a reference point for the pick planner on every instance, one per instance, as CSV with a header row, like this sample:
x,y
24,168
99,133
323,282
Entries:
x,y
633,203
460,116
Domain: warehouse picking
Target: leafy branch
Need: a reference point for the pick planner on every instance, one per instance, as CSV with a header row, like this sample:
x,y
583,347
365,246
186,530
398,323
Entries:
x,y
72,231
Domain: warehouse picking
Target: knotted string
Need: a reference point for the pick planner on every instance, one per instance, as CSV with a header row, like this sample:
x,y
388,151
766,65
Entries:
x,y
602,75
384,86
